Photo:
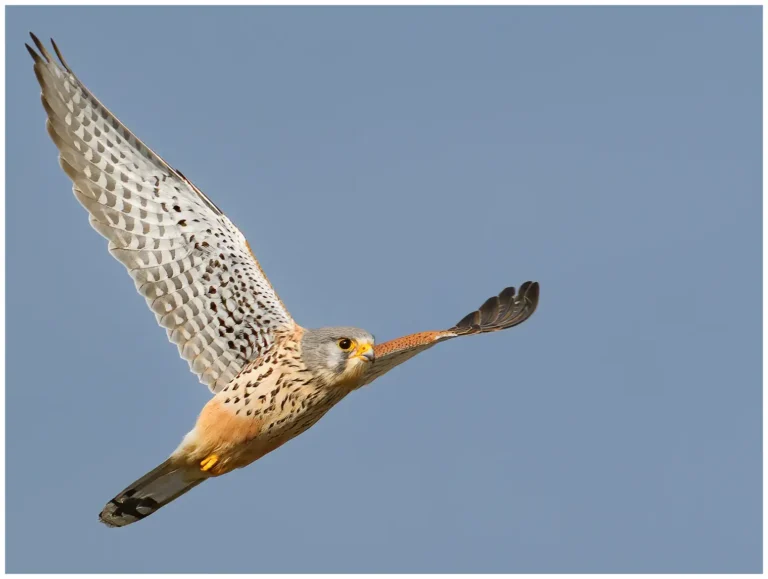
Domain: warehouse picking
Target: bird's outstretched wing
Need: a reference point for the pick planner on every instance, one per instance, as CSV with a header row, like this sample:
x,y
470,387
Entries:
x,y
508,309
189,261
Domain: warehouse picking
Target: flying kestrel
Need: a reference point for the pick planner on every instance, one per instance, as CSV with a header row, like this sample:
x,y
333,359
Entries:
x,y
271,378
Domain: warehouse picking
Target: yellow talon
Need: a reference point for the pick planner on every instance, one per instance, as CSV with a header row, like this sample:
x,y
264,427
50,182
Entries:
x,y
208,463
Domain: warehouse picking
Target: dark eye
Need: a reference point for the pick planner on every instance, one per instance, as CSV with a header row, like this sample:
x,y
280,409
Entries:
x,y
345,344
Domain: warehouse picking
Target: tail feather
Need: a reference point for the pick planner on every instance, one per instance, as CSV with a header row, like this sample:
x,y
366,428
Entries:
x,y
154,490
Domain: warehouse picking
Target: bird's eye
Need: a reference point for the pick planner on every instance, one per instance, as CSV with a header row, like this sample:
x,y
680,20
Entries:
x,y
345,344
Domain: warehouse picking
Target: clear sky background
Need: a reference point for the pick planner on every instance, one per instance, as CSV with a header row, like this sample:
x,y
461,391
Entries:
x,y
392,168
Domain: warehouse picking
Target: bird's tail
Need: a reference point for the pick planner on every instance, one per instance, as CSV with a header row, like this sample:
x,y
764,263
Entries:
x,y
155,489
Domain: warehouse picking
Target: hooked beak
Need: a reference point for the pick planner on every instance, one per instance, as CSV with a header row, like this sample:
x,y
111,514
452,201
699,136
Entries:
x,y
365,352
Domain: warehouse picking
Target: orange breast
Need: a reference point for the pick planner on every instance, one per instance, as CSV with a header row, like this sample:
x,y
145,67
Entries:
x,y
219,426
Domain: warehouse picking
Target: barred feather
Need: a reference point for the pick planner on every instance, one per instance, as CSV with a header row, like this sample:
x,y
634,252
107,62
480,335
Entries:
x,y
187,259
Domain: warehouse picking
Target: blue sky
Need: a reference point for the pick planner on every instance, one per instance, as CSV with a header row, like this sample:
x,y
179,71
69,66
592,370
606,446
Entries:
x,y
392,168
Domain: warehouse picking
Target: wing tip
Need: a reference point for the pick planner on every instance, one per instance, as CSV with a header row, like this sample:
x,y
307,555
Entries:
x,y
43,55
41,47
33,54
60,57
510,308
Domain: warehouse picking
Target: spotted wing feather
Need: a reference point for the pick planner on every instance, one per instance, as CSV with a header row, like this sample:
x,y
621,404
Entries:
x,y
506,310
189,261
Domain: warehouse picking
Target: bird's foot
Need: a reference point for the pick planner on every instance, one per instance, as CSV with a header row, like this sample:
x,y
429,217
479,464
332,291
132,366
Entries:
x,y
208,463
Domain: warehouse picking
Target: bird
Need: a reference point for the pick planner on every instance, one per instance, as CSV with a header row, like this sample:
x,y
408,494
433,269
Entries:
x,y
270,378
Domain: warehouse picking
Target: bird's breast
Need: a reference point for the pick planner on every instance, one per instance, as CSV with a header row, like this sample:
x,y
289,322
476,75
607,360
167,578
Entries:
x,y
252,417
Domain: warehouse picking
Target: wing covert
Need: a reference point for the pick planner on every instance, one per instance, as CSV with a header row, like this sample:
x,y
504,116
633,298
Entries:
x,y
189,261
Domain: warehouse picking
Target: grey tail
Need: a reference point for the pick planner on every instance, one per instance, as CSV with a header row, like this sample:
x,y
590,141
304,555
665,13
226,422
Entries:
x,y
154,490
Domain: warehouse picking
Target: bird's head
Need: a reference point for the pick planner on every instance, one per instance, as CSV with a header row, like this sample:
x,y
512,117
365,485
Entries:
x,y
338,355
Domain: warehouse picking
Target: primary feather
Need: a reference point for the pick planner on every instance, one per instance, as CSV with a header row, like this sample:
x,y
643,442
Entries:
x,y
188,260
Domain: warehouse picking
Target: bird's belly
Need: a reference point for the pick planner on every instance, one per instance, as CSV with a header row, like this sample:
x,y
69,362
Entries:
x,y
279,431
237,439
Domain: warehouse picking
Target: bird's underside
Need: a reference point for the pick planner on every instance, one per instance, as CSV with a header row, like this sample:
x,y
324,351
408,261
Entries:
x,y
271,378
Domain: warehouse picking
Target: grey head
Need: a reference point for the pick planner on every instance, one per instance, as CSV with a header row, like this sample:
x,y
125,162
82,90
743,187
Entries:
x,y
337,354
